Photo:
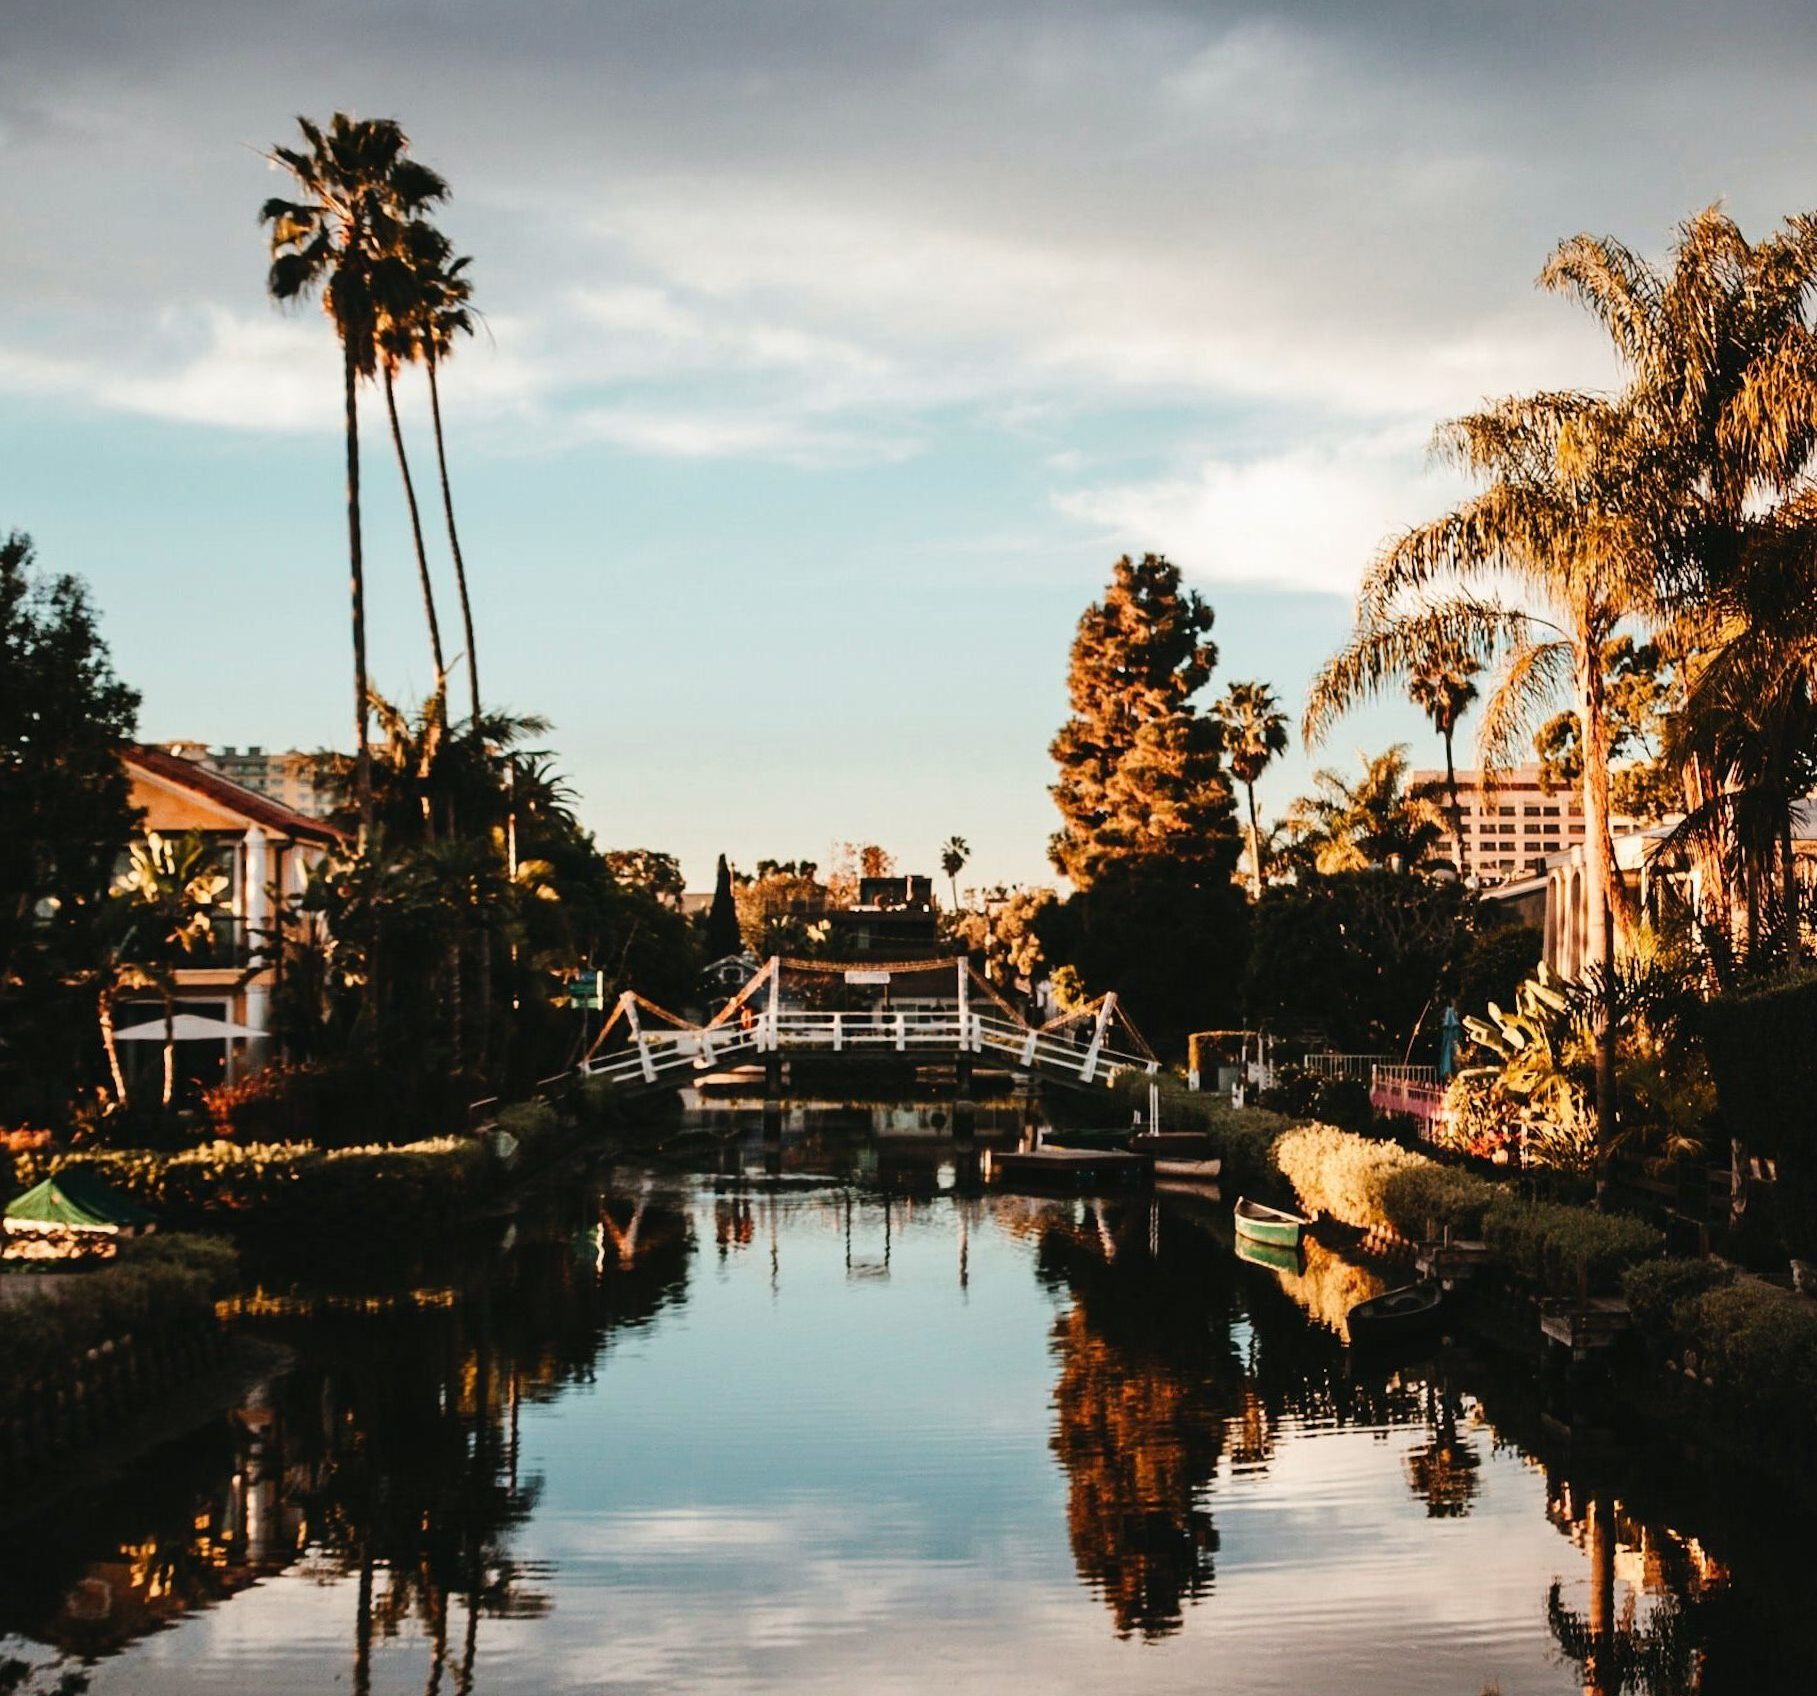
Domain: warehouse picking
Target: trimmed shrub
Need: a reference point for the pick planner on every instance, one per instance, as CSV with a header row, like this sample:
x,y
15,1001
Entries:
x,y
1341,1173
1427,1198
1758,1344
1659,1290
294,1186
1550,1243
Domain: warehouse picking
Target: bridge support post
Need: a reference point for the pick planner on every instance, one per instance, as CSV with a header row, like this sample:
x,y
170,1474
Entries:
x,y
772,1097
1106,1008
965,1112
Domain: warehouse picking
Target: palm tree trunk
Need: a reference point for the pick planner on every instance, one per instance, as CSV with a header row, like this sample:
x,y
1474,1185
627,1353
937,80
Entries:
x,y
1457,812
1788,877
1255,843
416,537
105,1011
454,540
362,1627
356,562
170,1047
1600,877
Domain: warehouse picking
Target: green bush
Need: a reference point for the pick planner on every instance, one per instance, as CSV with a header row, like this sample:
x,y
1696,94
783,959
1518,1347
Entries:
x,y
294,1186
158,1284
1765,1064
1758,1344
1658,1292
1550,1243
1428,1199
1343,1174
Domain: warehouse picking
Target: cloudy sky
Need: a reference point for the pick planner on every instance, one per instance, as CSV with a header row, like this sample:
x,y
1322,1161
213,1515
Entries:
x,y
832,351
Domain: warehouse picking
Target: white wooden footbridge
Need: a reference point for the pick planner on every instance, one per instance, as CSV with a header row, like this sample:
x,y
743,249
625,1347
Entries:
x,y
945,1010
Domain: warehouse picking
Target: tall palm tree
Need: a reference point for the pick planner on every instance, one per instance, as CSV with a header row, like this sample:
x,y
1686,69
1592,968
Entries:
x,y
1255,730
447,312
1442,685
1377,821
357,190
952,861
1721,361
403,285
1565,525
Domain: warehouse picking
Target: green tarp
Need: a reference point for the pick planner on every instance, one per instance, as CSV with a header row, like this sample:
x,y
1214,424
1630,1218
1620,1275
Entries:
x,y
77,1201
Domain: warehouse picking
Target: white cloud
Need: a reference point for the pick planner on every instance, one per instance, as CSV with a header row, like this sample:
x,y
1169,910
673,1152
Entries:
x,y
1307,518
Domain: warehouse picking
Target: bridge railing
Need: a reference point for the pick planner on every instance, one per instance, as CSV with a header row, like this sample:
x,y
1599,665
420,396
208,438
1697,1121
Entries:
x,y
657,1052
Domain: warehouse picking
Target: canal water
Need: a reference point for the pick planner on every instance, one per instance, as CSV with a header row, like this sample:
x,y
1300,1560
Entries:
x,y
865,1426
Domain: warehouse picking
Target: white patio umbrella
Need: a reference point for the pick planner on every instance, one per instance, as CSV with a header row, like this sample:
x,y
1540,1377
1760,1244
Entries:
x,y
187,1027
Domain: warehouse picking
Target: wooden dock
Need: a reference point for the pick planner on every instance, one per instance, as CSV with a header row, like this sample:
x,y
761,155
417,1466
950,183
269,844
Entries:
x,y
1585,1326
1451,1263
1075,1169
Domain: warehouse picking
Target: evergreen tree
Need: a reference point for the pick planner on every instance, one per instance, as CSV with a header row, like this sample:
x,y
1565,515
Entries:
x,y
1149,834
65,720
723,935
1140,768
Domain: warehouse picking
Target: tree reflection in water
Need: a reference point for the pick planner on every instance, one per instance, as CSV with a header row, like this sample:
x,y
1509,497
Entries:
x,y
1444,1470
388,1455
1146,1383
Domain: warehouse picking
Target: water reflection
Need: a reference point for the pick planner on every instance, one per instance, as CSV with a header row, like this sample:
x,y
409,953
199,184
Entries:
x,y
740,1434
1140,1408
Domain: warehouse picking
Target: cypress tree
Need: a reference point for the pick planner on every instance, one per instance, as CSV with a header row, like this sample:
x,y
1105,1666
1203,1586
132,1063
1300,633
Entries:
x,y
723,935
1141,771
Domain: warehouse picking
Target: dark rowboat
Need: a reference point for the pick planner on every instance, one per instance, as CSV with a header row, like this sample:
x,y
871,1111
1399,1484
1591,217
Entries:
x,y
1173,1145
1410,1314
1275,1225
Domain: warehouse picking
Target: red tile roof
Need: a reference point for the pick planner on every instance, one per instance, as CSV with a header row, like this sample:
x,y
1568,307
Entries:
x,y
224,792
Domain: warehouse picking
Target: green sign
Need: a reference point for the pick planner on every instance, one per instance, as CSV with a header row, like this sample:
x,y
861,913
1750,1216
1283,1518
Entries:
x,y
588,990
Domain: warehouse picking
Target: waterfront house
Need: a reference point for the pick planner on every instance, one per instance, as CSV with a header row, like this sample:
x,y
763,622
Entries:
x,y
265,849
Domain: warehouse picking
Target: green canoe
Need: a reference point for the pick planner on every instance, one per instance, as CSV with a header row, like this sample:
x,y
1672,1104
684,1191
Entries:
x,y
1269,1224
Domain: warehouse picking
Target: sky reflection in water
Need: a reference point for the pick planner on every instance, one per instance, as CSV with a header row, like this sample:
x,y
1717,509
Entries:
x,y
810,1442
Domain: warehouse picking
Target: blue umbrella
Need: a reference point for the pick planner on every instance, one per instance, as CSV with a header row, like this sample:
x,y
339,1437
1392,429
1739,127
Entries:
x,y
1449,1038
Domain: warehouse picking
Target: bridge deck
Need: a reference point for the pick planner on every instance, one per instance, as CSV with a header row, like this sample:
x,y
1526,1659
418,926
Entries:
x,y
1077,1048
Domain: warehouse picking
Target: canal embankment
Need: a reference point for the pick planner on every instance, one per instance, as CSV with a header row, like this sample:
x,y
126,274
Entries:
x,y
1713,1347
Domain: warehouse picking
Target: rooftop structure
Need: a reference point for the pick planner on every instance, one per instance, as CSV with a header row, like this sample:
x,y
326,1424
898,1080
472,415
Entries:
x,y
287,776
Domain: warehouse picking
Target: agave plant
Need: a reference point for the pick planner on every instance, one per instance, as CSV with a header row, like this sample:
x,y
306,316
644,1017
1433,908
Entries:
x,y
1541,1060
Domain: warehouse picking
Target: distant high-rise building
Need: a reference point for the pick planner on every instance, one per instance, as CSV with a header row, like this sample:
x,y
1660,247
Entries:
x,y
287,777
1508,833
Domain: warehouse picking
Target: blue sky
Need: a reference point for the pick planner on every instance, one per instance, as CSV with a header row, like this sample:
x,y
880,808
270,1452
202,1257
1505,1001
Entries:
x,y
833,353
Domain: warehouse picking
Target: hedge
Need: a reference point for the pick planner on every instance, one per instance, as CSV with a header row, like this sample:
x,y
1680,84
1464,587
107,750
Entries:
x,y
1343,1174
157,1284
1381,1186
1765,1064
293,1185
1754,1343
1552,1244
1658,1290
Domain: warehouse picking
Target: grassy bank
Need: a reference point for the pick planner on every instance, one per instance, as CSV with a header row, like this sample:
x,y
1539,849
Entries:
x,y
1379,1186
158,1285
298,1187
1744,1350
